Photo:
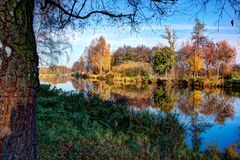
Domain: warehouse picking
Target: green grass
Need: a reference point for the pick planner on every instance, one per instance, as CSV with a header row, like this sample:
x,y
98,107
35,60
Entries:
x,y
71,127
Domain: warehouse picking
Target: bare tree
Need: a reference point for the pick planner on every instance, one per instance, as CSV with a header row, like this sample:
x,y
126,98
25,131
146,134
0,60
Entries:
x,y
228,8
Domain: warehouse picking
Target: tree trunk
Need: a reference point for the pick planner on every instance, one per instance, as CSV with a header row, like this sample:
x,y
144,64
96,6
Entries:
x,y
173,66
218,73
18,80
207,71
194,65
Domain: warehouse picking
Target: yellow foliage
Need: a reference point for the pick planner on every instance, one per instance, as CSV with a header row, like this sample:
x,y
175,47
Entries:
x,y
196,97
198,63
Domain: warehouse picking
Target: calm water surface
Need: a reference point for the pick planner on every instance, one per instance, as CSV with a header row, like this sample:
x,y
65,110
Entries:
x,y
211,116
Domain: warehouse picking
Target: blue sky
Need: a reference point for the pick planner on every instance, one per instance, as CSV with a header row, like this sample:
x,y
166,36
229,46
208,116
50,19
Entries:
x,y
182,23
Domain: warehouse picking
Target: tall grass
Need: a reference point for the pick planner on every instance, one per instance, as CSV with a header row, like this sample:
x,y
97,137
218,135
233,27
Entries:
x,y
133,69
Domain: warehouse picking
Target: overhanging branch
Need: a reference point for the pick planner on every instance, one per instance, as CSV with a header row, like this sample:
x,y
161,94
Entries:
x,y
78,16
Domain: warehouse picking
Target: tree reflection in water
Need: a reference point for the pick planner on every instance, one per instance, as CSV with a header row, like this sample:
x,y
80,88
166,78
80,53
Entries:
x,y
197,105
165,99
215,104
209,102
190,103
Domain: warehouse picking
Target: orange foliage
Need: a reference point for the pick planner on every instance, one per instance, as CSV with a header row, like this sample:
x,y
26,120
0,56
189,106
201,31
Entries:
x,y
98,55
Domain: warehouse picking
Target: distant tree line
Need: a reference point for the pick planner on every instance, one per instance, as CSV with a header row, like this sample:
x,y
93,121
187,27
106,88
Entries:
x,y
203,57
199,58
128,53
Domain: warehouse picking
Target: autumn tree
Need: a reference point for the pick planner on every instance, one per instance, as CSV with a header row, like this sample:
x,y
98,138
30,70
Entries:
x,y
142,53
79,66
185,56
82,65
117,57
225,57
196,63
208,57
99,57
76,66
199,40
127,53
187,61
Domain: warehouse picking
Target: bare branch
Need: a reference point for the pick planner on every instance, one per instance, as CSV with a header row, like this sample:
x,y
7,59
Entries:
x,y
104,12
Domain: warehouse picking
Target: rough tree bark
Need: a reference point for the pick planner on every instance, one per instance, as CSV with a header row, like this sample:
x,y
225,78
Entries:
x,y
18,80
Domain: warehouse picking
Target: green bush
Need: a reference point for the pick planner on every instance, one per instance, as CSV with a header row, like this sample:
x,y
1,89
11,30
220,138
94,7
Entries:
x,y
233,76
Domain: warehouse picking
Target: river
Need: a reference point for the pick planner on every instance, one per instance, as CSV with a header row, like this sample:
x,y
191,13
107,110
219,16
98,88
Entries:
x,y
211,116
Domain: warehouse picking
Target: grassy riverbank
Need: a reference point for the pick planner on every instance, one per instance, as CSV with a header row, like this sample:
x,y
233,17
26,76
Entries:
x,y
72,127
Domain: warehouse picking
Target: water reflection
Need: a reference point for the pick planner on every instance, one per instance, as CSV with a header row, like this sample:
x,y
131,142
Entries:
x,y
216,104
204,110
209,102
165,99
